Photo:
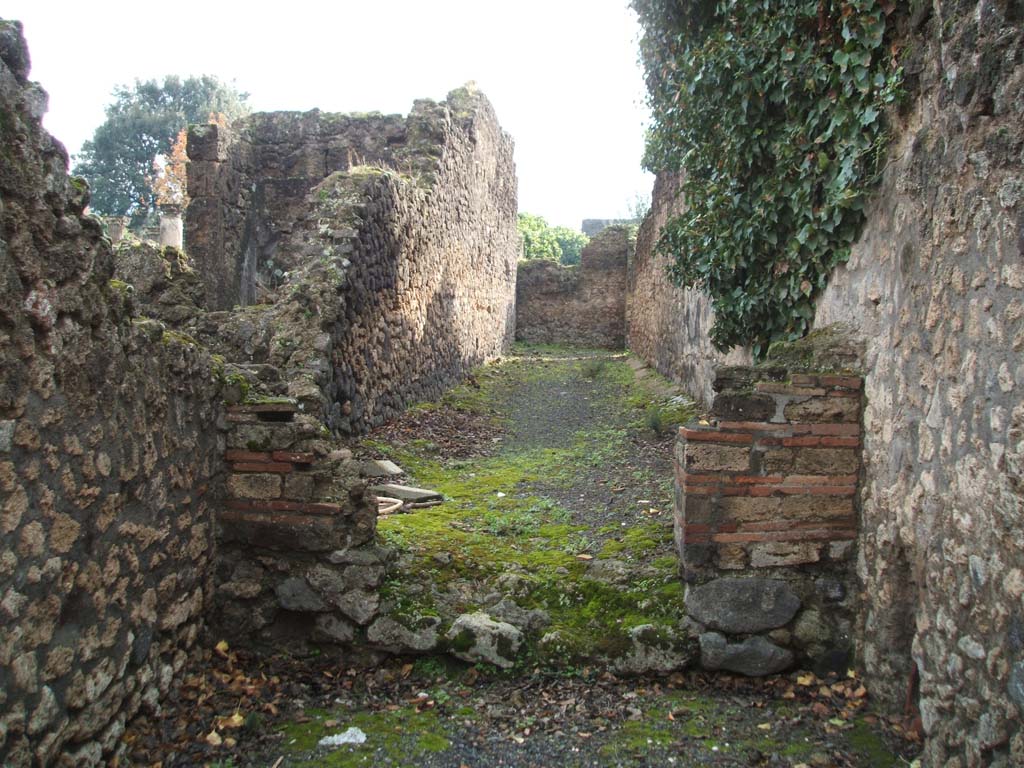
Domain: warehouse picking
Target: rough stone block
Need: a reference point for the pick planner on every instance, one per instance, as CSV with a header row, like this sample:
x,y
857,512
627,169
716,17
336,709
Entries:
x,y
742,606
754,657
703,457
780,554
254,486
826,461
842,409
299,486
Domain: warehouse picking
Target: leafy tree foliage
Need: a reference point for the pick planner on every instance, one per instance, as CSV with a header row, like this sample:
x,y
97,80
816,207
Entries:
x,y
142,123
542,241
772,110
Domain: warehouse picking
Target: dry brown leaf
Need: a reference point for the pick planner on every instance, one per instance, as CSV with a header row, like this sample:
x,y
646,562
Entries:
x,y
236,720
213,739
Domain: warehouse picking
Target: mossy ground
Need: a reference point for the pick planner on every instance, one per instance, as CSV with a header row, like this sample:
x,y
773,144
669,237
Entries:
x,y
563,503
565,488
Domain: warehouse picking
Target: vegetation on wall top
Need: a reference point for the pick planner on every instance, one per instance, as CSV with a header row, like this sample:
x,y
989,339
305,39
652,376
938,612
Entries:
x,y
542,241
141,124
772,111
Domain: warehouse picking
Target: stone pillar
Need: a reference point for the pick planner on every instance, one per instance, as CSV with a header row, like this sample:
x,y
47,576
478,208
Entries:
x,y
766,518
115,228
171,228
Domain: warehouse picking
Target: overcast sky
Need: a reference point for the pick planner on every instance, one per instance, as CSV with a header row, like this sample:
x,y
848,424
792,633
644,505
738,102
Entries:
x,y
562,74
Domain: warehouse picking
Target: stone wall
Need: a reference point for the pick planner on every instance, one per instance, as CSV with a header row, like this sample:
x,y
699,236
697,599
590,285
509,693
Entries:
x,y
935,289
668,326
109,448
583,305
767,491
394,280
935,286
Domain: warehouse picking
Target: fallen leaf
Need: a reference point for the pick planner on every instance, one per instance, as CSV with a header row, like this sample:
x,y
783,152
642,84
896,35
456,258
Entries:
x,y
213,739
584,557
222,648
806,680
237,720
764,726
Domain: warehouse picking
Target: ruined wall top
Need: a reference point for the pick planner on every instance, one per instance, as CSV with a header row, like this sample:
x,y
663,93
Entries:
x,y
248,183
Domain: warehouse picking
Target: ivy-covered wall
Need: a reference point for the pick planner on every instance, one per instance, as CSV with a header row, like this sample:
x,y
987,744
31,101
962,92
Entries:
x,y
935,286
933,283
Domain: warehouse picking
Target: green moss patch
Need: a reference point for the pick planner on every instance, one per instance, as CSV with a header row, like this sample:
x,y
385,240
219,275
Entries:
x,y
400,737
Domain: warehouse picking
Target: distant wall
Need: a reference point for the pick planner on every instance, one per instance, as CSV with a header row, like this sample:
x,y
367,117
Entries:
x,y
583,305
668,326
248,186
109,453
591,227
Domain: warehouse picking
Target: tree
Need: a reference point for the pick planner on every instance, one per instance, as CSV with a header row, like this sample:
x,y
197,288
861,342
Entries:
x,y
542,241
142,123
571,244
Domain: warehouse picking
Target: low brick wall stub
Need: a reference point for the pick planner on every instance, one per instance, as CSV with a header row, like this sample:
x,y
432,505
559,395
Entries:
x,y
297,562
766,495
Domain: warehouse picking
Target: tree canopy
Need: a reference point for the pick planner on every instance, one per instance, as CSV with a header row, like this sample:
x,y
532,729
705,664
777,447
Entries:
x,y
142,123
542,241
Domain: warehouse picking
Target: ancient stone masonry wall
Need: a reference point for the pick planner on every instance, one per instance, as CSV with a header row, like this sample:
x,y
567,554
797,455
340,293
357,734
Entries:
x,y
109,448
584,305
767,493
936,288
397,280
668,326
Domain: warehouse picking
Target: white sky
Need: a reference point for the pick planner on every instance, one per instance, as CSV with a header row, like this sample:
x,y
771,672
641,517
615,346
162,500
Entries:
x,y
562,74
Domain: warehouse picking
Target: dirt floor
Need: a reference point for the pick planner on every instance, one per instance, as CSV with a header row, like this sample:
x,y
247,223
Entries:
x,y
555,466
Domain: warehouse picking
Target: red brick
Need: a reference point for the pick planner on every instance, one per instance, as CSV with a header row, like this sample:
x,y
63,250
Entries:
x,y
713,436
758,479
275,467
701,490
295,457
844,523
820,480
846,382
840,442
844,393
805,441
242,418
694,528
808,490
818,490
835,429
775,388
754,426
802,535
234,454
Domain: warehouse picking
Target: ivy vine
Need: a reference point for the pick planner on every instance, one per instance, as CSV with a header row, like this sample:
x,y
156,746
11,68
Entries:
x,y
772,111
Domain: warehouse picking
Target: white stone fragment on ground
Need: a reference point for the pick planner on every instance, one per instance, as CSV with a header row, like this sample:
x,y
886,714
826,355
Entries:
x,y
351,736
